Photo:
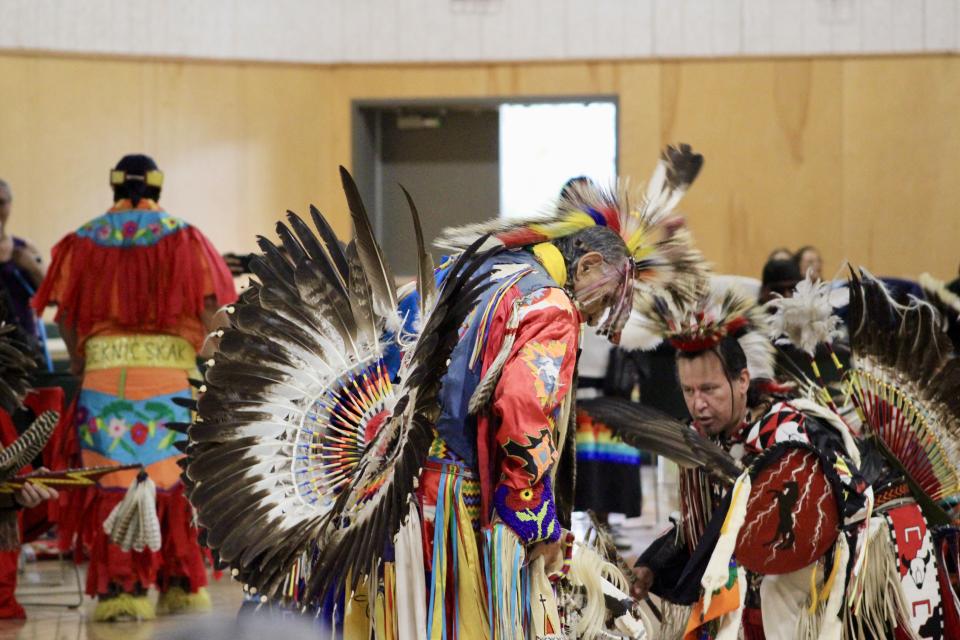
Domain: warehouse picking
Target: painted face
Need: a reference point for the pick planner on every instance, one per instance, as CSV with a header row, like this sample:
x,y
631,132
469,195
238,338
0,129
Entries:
x,y
597,287
716,404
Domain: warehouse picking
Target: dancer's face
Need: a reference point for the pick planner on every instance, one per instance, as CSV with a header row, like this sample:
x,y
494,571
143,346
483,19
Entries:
x,y
593,288
716,404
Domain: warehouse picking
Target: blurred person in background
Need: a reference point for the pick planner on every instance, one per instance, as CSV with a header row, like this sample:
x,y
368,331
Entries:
x,y
779,278
808,259
137,290
608,469
780,253
21,270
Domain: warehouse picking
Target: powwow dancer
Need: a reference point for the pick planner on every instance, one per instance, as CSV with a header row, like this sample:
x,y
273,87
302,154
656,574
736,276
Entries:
x,y
136,290
406,504
861,548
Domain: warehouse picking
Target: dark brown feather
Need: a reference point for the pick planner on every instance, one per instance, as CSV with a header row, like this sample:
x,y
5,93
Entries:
x,y
382,284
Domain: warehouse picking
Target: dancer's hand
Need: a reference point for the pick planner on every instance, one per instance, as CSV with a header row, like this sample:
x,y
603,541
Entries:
x,y
552,553
644,580
32,494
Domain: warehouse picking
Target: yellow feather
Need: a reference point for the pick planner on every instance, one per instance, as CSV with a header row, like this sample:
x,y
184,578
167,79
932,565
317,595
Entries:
x,y
571,223
552,260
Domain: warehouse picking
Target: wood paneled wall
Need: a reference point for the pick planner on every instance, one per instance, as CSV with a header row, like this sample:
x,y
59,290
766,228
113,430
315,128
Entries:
x,y
859,156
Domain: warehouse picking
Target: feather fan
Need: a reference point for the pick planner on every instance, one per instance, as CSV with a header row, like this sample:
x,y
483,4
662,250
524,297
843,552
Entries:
x,y
28,445
652,430
905,383
305,451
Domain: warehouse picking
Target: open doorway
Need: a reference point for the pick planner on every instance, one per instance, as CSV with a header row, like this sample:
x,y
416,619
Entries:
x,y
469,161
544,145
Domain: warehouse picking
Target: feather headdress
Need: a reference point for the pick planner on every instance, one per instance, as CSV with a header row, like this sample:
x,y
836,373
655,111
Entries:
x,y
662,256
703,324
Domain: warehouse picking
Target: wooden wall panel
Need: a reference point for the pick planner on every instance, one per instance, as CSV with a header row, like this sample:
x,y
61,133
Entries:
x,y
769,131
901,160
856,156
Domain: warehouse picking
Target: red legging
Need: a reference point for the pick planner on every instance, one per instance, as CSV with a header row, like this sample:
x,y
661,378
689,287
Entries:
x,y
180,556
9,607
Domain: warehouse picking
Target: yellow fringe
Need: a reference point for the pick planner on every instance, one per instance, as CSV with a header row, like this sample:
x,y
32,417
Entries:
x,y
176,600
814,600
124,606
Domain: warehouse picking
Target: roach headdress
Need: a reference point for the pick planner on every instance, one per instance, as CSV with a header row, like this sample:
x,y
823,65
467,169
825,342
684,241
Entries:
x,y
701,325
659,248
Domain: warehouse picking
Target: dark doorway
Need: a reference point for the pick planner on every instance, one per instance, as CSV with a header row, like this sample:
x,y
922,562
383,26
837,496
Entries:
x,y
450,157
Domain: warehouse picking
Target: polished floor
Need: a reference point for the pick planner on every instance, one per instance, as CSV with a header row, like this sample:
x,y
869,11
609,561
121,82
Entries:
x,y
55,611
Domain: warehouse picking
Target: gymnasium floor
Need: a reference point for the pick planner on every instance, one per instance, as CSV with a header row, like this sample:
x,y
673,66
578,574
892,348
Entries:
x,y
49,581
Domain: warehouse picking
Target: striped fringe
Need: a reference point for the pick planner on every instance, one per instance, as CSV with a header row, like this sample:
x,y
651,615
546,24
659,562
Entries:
x,y
508,588
455,557
674,620
882,606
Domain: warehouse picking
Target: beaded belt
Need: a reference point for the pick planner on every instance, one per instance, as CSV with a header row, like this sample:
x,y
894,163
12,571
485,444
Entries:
x,y
109,352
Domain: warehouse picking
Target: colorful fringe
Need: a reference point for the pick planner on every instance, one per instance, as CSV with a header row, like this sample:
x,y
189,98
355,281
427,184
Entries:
x,y
508,584
137,285
454,611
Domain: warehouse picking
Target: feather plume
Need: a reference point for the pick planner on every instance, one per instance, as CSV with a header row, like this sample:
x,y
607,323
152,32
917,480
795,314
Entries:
x,y
806,319
133,523
660,246
426,285
701,325
331,243
327,260
376,268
